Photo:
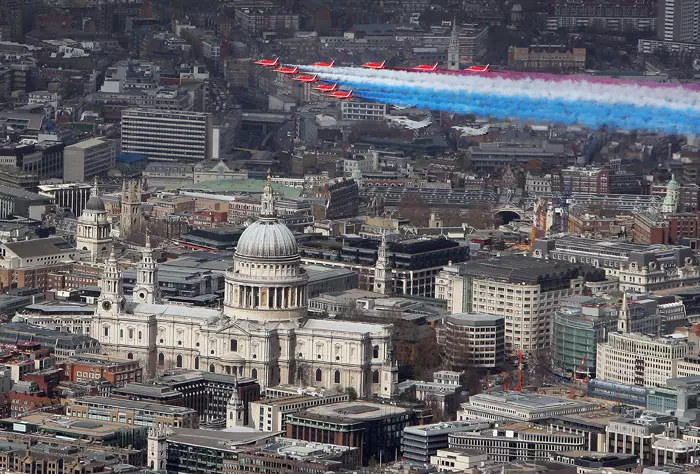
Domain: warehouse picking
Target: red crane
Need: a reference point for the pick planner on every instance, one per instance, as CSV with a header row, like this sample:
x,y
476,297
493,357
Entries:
x,y
519,388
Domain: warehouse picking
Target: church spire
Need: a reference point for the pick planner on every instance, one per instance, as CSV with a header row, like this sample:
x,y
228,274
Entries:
x,y
453,49
268,198
623,317
382,270
147,289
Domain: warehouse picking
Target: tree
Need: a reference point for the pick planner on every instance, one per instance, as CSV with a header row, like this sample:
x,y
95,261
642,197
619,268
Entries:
x,y
352,393
480,217
414,208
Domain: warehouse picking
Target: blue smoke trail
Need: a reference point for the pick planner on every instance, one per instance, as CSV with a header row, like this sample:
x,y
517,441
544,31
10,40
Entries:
x,y
574,112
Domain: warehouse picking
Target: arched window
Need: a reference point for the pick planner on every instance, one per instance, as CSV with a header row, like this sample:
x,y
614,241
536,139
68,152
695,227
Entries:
x,y
106,331
212,369
131,333
336,377
375,352
121,333
140,335
130,356
196,363
254,373
375,376
234,345
319,375
161,359
178,360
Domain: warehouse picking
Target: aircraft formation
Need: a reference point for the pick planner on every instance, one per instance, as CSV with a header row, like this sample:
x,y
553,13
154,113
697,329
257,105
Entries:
x,y
580,99
332,90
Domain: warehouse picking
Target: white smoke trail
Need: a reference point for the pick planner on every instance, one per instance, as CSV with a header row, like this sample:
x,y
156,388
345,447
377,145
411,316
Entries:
x,y
572,91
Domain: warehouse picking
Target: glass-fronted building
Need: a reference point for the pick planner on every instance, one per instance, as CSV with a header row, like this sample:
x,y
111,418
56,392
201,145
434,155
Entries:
x,y
579,325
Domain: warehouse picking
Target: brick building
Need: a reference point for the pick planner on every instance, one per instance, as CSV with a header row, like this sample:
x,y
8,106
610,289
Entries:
x,y
93,367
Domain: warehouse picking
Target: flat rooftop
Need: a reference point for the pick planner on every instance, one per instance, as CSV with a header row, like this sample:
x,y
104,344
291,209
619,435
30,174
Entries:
x,y
67,424
133,405
354,411
525,401
218,440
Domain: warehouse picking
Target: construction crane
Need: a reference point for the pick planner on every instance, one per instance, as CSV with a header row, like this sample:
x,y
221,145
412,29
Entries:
x,y
519,388
575,382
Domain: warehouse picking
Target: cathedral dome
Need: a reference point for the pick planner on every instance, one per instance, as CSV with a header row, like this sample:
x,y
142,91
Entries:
x,y
267,238
95,203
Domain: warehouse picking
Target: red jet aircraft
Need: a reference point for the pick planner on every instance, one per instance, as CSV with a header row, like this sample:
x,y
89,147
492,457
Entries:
x,y
289,71
478,68
330,64
341,95
374,65
307,79
268,62
327,88
426,67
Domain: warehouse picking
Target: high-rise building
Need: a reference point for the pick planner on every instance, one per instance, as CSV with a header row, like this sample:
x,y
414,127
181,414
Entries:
x,y
522,290
166,134
679,21
89,158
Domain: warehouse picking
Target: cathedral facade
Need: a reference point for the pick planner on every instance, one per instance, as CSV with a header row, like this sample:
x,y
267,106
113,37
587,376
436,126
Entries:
x,y
262,331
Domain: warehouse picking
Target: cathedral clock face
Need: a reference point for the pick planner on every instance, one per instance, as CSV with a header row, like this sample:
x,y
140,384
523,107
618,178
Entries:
x,y
106,305
142,295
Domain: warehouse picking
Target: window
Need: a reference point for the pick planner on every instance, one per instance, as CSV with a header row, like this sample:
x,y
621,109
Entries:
x,y
254,373
106,331
196,363
375,352
212,369
375,376
131,333
130,356
318,375
161,359
121,333
336,377
178,361
140,335
234,345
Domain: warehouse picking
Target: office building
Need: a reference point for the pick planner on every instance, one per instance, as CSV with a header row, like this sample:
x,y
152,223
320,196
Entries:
x,y
458,460
592,461
637,359
412,264
519,441
93,367
166,135
609,15
525,291
679,21
18,202
355,110
639,268
132,412
372,427
582,322
270,414
245,452
419,443
209,393
88,159
518,406
473,340
637,435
